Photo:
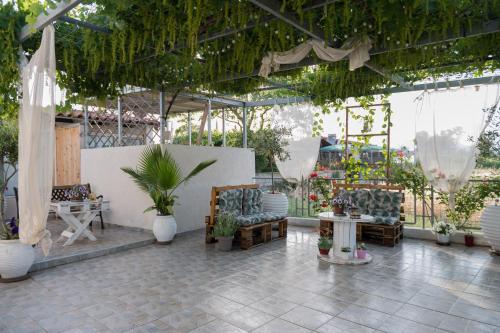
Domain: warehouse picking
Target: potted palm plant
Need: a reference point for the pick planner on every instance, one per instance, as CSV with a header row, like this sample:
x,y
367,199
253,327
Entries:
x,y
16,258
224,231
159,176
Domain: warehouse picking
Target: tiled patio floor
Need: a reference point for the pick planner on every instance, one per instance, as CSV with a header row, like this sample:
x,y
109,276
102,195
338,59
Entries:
x,y
280,287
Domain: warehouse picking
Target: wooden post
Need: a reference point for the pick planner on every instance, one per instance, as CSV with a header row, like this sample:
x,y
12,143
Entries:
x,y
202,127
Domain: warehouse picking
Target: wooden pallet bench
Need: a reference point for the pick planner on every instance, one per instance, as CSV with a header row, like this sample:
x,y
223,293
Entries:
x,y
248,236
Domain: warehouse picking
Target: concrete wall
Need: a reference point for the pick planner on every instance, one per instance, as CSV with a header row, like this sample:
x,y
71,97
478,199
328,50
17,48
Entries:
x,y
101,168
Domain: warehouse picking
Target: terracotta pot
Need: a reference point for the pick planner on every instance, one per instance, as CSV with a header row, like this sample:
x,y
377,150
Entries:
x,y
469,240
339,210
361,254
324,252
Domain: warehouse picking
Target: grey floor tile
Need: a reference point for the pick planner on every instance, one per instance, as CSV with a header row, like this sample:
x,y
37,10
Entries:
x,y
338,325
381,304
280,326
306,317
364,316
274,306
248,318
218,326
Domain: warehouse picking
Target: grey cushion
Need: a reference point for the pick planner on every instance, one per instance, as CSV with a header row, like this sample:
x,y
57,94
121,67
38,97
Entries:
x,y
245,220
252,201
230,201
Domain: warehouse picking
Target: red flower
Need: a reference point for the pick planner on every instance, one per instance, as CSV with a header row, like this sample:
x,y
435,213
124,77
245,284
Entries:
x,y
313,197
313,175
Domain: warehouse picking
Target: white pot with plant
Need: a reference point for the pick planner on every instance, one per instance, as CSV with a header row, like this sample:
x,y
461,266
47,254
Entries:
x,y
224,230
490,225
443,230
16,258
271,143
159,176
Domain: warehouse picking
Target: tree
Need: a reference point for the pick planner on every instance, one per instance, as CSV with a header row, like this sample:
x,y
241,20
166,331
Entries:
x,y
8,158
271,143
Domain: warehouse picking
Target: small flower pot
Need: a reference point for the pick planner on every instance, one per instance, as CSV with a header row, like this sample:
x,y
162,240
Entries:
x,y
469,240
361,254
338,210
224,243
443,239
324,252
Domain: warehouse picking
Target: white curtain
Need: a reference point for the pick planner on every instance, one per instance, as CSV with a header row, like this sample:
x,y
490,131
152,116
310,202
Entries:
x,y
36,143
358,52
448,125
303,148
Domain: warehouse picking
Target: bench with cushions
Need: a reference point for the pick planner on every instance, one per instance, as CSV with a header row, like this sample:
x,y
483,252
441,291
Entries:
x,y
383,202
245,203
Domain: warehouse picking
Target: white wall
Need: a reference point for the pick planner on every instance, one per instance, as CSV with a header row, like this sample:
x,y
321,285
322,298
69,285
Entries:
x,y
101,168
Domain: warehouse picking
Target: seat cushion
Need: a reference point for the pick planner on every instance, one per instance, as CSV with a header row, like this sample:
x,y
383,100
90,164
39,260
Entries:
x,y
230,202
245,220
385,206
360,198
252,201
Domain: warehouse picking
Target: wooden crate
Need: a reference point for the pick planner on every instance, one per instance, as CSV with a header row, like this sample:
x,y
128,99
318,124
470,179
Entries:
x,y
388,235
257,234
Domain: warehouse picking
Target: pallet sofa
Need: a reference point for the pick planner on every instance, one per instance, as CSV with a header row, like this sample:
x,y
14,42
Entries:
x,y
383,202
245,203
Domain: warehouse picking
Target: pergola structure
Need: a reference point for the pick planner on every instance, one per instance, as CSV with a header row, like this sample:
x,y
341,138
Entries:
x,y
164,103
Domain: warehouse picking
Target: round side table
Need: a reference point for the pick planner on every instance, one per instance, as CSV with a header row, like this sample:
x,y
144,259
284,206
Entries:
x,y
344,237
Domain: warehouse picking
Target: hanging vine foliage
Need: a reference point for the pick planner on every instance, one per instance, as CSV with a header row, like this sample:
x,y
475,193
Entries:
x,y
219,44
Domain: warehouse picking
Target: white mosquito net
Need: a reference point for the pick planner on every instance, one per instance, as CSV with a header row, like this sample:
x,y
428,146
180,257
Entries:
x,y
303,148
448,124
36,143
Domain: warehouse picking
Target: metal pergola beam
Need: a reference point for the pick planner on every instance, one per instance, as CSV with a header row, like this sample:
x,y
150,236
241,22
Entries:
x,y
278,101
486,28
221,100
83,24
45,19
448,84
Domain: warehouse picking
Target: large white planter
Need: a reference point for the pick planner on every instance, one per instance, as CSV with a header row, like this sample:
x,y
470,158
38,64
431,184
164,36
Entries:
x,y
275,202
15,259
164,228
490,224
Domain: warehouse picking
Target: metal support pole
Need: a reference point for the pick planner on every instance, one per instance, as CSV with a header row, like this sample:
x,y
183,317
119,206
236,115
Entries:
x,y
223,127
162,117
244,127
189,129
85,126
120,125
209,122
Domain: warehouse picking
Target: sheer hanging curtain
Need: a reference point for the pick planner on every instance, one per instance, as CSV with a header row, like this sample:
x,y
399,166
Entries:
x,y
448,125
303,148
36,143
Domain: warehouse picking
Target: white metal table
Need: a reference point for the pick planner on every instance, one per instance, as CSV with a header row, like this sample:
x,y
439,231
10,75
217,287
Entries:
x,y
344,236
78,215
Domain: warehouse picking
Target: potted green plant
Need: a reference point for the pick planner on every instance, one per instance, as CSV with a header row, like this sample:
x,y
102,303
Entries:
x,y
345,252
224,231
159,176
8,159
16,258
443,231
324,245
271,143
361,251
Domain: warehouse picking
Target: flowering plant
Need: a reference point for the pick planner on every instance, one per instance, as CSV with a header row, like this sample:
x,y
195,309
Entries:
x,y
339,201
9,230
78,192
444,228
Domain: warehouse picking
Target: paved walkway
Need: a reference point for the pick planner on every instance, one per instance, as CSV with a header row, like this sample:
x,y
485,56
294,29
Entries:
x,y
279,287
